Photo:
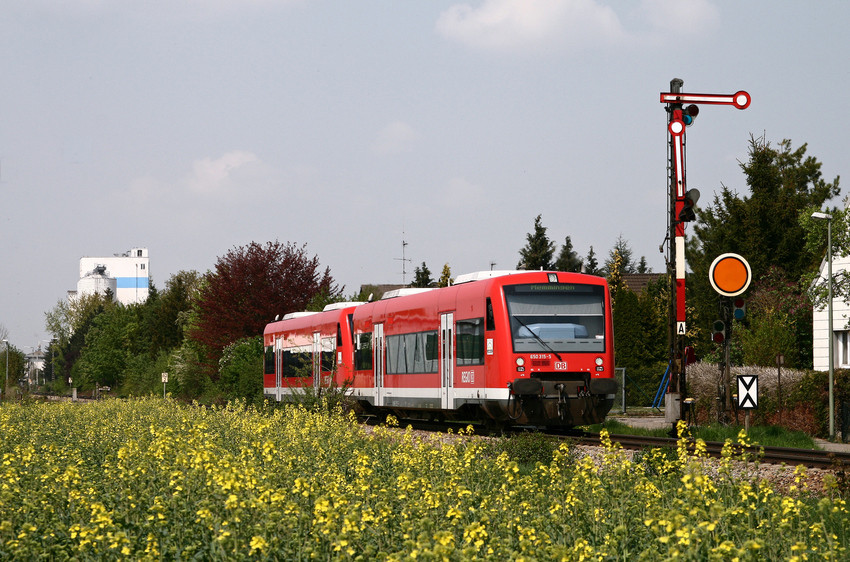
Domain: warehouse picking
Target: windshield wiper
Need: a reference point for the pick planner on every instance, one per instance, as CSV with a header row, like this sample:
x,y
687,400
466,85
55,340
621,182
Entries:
x,y
538,338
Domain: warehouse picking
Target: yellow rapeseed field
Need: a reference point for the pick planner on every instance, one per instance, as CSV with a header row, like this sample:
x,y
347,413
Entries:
x,y
151,479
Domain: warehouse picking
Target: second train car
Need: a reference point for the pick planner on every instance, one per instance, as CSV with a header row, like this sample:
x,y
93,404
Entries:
x,y
507,347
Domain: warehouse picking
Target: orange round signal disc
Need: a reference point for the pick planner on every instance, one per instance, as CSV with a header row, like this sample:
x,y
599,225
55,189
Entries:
x,y
730,275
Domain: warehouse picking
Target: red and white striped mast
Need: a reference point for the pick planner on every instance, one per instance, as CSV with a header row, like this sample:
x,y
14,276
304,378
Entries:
x,y
682,201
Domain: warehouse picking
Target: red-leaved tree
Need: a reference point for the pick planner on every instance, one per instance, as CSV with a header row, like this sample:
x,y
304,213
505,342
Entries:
x,y
248,288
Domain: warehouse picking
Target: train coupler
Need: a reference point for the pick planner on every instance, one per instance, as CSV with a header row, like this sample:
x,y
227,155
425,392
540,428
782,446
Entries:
x,y
562,401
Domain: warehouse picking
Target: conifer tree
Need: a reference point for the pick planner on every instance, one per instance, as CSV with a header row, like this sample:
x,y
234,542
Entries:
x,y
767,227
568,259
591,265
445,277
538,250
422,277
624,251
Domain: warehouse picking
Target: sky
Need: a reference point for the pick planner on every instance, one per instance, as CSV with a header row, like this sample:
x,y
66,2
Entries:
x,y
382,134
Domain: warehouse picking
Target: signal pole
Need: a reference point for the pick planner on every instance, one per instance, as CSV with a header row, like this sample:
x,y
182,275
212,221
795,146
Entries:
x,y
681,206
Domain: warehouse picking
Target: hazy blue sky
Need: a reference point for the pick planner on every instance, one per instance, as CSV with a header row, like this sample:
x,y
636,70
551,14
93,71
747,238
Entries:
x,y
194,126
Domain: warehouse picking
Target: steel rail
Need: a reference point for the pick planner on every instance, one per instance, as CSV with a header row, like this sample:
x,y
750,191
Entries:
x,y
812,458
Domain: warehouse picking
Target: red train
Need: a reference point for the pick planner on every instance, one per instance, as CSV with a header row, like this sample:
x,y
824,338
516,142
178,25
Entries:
x,y
519,347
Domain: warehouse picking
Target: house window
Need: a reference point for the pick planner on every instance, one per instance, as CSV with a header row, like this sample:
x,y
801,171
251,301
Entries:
x,y
843,349
143,266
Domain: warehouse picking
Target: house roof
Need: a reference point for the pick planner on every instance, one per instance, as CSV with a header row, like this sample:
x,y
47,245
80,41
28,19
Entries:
x,y
637,282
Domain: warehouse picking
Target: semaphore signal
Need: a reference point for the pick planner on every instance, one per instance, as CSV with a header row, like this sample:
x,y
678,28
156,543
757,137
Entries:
x,y
682,203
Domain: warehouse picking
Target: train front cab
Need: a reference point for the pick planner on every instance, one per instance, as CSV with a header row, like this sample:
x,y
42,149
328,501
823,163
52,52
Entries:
x,y
551,349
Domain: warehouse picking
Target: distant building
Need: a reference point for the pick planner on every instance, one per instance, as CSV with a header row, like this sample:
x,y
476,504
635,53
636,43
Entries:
x,y
638,282
127,275
35,367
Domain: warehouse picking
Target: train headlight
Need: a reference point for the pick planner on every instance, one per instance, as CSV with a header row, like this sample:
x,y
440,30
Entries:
x,y
520,361
598,361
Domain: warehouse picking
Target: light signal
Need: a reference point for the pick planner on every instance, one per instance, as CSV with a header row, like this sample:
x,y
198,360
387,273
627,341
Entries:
x,y
689,114
688,212
739,308
718,333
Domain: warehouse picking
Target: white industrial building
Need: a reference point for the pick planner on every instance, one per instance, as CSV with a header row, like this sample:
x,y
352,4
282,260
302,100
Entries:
x,y
127,275
840,337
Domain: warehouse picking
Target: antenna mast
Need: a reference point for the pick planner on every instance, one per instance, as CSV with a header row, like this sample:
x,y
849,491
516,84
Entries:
x,y
403,260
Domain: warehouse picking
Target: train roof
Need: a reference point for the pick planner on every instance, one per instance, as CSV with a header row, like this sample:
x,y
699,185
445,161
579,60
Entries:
x,y
488,274
292,315
405,291
341,305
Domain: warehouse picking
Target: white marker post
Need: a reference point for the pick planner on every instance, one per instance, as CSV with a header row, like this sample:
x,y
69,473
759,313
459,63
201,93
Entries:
x,y
164,380
748,396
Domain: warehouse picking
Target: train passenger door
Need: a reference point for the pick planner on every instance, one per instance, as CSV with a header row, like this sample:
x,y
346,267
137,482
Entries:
x,y
278,367
447,360
317,359
378,363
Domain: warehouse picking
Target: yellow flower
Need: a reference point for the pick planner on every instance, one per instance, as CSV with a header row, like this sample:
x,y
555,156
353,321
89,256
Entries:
x,y
258,544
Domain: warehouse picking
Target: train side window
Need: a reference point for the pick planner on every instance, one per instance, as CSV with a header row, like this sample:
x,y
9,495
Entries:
x,y
363,352
296,362
470,341
412,353
269,360
491,319
328,356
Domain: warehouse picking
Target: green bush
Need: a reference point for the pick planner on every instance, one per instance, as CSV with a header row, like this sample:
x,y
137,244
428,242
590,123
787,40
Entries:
x,y
333,398
528,448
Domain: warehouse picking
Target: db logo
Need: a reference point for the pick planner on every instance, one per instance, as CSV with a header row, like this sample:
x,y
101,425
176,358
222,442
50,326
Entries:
x,y
560,365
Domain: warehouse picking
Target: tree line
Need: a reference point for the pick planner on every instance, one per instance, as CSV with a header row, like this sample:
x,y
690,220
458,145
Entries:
x,y
204,330
770,224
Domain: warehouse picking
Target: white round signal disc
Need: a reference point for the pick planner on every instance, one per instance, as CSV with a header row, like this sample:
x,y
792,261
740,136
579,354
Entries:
x,y
741,100
676,127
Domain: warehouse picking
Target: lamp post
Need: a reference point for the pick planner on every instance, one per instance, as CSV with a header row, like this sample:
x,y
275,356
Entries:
x,y
6,388
828,218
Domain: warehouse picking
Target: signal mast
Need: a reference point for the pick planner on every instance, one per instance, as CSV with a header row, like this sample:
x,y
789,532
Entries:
x,y
682,202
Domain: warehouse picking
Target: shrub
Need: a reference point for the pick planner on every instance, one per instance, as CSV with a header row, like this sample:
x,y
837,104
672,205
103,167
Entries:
x,y
529,447
333,398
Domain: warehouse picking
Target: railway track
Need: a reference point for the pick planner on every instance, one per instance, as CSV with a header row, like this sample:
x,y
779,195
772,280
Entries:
x,y
774,455
812,458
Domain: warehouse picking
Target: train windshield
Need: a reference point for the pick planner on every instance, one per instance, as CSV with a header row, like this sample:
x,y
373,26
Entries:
x,y
555,317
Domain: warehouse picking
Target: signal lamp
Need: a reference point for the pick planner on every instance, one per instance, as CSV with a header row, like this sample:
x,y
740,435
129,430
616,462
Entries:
x,y
718,334
687,214
739,308
689,114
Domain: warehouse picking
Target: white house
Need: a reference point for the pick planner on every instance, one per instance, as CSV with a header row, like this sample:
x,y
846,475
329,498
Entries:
x,y
840,337
127,275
